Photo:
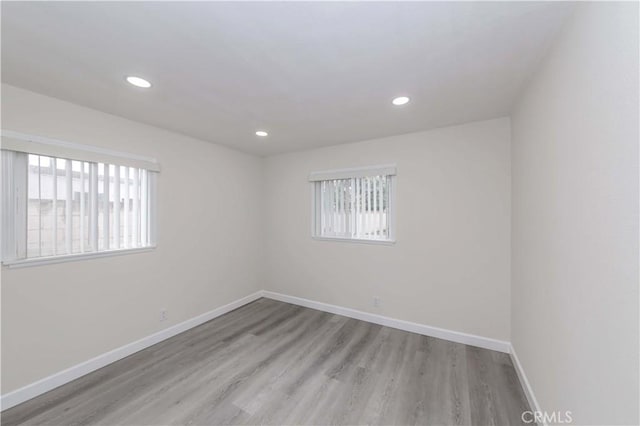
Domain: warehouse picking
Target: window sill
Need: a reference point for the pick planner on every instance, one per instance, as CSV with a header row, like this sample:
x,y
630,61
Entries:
x,y
39,261
356,240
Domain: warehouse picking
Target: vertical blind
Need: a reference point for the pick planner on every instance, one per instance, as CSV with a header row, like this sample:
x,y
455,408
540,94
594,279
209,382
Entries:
x,y
78,206
72,207
356,207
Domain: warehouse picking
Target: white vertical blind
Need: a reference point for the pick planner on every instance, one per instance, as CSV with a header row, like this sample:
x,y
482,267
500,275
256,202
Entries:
x,y
105,207
368,200
135,237
375,204
354,213
39,206
69,207
323,203
13,191
93,194
127,206
74,207
116,207
354,208
68,213
381,211
54,216
82,207
334,207
143,205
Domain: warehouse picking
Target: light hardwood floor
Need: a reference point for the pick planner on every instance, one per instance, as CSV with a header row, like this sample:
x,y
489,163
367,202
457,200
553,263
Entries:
x,y
274,363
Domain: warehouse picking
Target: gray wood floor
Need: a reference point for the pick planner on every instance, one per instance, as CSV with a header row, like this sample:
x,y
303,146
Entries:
x,y
275,363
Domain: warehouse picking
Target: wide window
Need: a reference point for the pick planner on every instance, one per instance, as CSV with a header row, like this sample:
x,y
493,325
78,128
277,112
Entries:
x,y
62,208
354,204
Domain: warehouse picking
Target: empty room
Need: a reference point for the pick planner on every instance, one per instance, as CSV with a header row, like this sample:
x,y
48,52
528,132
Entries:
x,y
320,213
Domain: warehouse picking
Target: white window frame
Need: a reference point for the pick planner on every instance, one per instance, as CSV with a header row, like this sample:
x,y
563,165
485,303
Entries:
x,y
13,224
317,177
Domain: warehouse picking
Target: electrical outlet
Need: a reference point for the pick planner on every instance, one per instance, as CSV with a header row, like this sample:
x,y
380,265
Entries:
x,y
163,315
377,302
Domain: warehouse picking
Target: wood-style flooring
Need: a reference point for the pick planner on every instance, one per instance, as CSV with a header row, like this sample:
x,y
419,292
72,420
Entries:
x,y
274,363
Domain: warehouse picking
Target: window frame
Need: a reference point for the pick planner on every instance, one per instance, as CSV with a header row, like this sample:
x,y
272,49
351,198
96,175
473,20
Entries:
x,y
316,216
13,226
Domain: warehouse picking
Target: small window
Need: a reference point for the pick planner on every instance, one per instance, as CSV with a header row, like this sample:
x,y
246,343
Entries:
x,y
354,204
60,208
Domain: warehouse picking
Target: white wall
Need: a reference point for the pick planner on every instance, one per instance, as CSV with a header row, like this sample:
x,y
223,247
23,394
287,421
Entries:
x,y
575,220
450,265
209,250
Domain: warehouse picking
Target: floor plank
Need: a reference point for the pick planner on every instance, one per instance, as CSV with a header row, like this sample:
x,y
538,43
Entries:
x,y
272,363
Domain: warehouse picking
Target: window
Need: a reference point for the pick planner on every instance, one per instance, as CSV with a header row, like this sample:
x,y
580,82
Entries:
x,y
57,208
354,204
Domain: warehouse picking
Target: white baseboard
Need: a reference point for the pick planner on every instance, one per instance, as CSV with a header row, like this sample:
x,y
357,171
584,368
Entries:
x,y
427,330
58,379
526,386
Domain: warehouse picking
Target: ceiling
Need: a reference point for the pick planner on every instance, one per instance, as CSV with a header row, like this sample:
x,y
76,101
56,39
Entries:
x,y
311,74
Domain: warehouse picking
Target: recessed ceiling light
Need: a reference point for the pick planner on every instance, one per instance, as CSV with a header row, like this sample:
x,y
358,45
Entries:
x,y
262,133
138,82
400,100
